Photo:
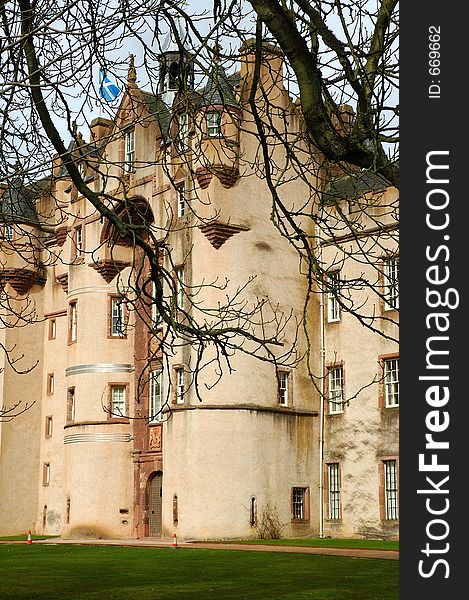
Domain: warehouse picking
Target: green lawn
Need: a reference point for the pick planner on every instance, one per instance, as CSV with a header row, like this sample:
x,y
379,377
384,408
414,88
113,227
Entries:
x,y
48,572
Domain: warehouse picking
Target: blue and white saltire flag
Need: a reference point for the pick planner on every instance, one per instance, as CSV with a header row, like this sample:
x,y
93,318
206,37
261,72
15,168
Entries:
x,y
107,87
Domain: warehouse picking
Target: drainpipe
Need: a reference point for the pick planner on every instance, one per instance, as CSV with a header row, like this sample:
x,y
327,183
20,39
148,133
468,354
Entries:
x,y
321,415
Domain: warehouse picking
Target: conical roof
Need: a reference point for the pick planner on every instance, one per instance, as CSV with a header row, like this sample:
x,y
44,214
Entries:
x,y
18,202
218,89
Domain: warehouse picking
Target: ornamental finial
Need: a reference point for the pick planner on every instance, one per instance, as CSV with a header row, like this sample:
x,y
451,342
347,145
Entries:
x,y
131,72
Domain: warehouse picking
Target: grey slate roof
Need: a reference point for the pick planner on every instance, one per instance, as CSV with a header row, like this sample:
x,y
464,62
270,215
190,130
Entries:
x,y
219,88
158,110
18,202
91,149
351,187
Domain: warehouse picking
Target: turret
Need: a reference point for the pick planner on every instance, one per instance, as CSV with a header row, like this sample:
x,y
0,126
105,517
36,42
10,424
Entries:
x,y
20,226
219,114
176,66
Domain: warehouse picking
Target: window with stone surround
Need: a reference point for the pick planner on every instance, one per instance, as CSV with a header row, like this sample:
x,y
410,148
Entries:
x,y
70,404
118,400
391,283
72,322
388,384
180,377
335,395
48,426
333,491
7,232
333,306
52,329
181,199
283,378
156,396
117,316
300,503
389,489
391,382
50,384
46,473
214,120
129,148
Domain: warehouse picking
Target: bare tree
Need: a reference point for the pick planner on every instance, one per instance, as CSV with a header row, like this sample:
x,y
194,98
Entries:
x,y
332,129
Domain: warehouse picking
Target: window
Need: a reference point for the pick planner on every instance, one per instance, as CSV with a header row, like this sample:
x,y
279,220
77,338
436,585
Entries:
x,y
390,490
72,322
180,384
70,404
283,377
156,396
175,511
46,474
117,317
333,307
336,390
130,151
48,428
52,329
391,283
7,232
213,123
181,194
118,400
391,382
253,512
50,383
180,287
299,503
78,241
183,130
334,490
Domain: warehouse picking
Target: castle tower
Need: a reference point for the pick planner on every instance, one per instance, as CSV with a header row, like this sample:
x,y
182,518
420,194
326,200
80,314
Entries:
x,y
22,278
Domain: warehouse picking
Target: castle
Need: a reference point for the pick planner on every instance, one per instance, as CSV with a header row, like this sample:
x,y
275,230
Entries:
x,y
131,432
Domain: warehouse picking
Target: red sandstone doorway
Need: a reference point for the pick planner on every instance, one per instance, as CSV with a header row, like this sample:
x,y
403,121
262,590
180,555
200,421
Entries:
x,y
155,505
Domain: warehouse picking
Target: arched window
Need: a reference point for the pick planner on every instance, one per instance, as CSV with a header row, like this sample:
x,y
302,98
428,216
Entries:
x,y
253,512
135,211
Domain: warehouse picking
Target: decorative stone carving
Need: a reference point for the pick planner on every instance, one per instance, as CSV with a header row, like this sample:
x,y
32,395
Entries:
x,y
228,176
21,280
108,269
204,177
217,233
61,235
155,441
63,280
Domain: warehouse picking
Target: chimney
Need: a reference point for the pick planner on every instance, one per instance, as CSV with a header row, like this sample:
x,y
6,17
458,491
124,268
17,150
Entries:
x,y
56,164
100,128
271,68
